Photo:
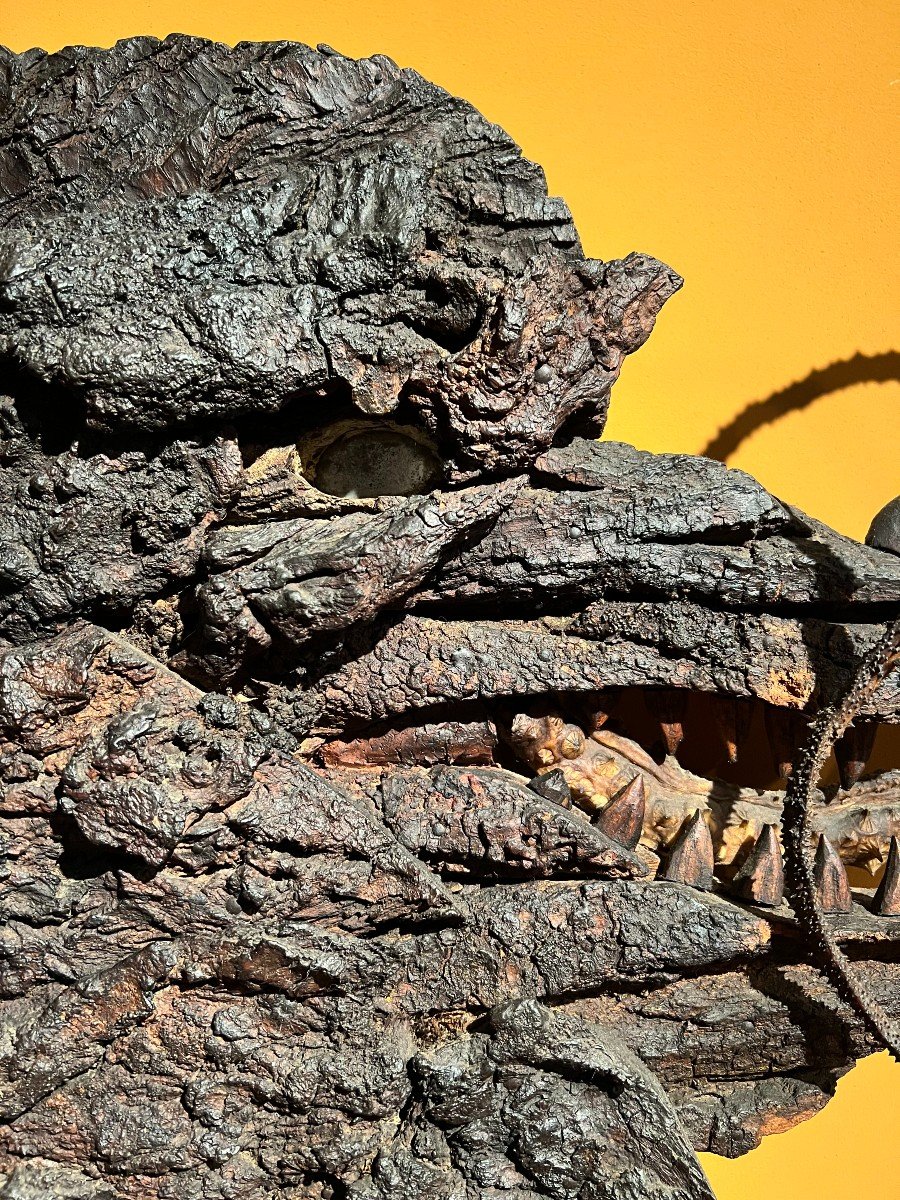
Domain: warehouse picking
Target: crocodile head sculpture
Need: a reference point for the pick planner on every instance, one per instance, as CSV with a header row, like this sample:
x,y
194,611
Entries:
x,y
389,773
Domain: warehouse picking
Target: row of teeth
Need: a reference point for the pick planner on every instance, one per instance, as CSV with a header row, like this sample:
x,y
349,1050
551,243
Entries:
x,y
590,768
760,879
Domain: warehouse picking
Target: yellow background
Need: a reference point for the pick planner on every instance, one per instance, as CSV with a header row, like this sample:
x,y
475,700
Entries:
x,y
750,144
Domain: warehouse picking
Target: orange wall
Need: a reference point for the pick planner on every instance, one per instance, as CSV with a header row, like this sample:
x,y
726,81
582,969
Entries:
x,y
751,144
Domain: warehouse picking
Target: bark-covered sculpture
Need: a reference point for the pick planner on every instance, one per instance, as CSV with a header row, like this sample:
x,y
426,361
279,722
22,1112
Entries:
x,y
383,762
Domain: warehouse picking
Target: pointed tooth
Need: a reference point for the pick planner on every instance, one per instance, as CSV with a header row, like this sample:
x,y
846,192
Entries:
x,y
853,751
673,736
668,706
784,728
725,712
692,858
552,786
761,878
886,901
732,716
830,874
623,817
599,707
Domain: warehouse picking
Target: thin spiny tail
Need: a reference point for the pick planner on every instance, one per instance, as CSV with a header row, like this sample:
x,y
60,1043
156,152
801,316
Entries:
x,y
801,888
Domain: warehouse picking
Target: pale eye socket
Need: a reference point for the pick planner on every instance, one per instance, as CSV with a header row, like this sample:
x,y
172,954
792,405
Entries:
x,y
543,374
375,461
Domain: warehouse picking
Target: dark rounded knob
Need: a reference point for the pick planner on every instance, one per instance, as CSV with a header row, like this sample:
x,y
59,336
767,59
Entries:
x,y
884,532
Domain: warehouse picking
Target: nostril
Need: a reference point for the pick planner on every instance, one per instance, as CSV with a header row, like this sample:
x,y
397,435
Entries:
x,y
361,459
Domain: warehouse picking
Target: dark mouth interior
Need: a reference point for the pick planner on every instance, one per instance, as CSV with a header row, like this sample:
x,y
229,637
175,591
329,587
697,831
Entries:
x,y
703,750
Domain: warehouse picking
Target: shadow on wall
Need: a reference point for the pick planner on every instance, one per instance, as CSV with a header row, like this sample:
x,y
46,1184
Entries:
x,y
861,368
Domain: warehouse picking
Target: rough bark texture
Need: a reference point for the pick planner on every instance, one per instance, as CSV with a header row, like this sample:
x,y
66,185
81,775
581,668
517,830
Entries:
x,y
335,657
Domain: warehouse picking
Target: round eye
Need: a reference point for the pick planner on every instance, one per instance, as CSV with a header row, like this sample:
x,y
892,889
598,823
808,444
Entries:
x,y
375,461
543,374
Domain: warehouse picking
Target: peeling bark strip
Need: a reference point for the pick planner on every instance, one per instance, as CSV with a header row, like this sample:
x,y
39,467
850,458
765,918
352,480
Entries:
x,y
386,804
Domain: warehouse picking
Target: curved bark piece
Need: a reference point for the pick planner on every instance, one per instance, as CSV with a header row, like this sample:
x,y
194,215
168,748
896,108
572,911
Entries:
x,y
420,662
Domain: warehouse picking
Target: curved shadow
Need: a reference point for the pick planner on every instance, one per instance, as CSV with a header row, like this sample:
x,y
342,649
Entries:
x,y
861,368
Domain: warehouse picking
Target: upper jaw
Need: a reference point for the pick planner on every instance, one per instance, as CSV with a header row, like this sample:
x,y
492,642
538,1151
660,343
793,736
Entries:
x,y
603,566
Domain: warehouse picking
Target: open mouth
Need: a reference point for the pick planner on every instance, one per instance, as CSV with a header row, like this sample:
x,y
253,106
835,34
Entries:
x,y
639,764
